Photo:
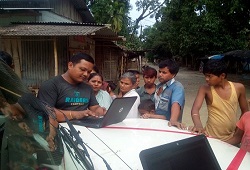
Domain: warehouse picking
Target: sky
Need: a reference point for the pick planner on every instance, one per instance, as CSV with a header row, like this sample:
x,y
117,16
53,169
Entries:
x,y
134,14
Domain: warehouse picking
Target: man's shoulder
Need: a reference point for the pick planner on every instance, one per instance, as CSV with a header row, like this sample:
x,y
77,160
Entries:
x,y
85,86
140,89
53,80
205,88
238,85
177,83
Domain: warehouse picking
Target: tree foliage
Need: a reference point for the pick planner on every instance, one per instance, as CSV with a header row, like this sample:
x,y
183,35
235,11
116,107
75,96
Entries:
x,y
183,27
147,8
113,12
198,28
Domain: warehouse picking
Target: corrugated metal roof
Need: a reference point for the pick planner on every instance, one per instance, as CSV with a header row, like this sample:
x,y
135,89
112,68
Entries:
x,y
56,30
57,23
80,6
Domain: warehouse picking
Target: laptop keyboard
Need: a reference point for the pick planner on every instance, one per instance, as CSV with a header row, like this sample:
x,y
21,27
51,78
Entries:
x,y
92,119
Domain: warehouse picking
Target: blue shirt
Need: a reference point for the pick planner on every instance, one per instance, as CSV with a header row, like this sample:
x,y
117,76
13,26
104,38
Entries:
x,y
173,92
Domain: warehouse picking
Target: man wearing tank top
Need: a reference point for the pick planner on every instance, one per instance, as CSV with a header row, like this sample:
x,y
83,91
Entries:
x,y
222,98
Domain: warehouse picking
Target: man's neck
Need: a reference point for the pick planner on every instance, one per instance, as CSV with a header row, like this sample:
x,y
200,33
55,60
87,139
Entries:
x,y
222,84
67,78
149,86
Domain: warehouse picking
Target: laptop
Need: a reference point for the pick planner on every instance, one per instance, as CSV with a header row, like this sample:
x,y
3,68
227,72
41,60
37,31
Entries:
x,y
192,153
116,113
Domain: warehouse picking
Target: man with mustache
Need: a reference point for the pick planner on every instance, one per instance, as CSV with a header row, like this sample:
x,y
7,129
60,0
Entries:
x,y
69,93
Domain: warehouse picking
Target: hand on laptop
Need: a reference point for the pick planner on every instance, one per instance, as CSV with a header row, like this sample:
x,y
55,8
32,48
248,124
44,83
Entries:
x,y
82,114
98,115
104,110
97,111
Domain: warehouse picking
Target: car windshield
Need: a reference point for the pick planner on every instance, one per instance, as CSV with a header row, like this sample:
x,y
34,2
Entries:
x,y
31,137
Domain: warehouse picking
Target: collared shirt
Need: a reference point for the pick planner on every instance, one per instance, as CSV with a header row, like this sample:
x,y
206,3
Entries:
x,y
164,86
144,94
172,92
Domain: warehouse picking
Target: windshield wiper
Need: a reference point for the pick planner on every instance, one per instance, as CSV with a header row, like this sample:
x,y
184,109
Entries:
x,y
72,140
81,156
79,141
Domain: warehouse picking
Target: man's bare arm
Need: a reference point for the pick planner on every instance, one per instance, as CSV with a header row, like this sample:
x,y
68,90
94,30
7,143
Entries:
x,y
153,116
175,113
242,98
71,114
236,139
195,112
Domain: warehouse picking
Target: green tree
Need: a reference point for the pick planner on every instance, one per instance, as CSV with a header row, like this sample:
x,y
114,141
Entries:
x,y
147,8
113,12
198,28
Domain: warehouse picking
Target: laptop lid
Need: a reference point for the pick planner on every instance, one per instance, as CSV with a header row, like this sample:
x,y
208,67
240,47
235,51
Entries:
x,y
116,113
192,153
118,110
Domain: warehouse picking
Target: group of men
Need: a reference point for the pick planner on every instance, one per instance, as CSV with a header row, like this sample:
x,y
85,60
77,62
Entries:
x,y
222,98
71,97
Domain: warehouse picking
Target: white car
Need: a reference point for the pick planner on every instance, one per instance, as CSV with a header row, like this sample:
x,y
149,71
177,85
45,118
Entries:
x,y
120,145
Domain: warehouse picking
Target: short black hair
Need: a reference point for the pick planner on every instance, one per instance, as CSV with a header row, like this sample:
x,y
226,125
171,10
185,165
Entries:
x,y
150,71
81,56
112,85
171,64
147,105
215,67
6,58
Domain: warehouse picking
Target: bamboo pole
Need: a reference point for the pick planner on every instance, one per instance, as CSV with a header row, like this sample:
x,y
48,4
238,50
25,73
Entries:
x,y
16,57
55,57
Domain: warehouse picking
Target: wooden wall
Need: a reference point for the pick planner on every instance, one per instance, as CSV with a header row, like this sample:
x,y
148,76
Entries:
x,y
34,57
108,60
66,9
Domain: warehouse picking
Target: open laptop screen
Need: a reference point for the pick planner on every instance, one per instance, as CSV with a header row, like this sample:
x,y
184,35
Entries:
x,y
192,153
116,113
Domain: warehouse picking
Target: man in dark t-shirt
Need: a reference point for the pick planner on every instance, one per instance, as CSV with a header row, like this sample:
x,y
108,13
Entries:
x,y
24,123
69,94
